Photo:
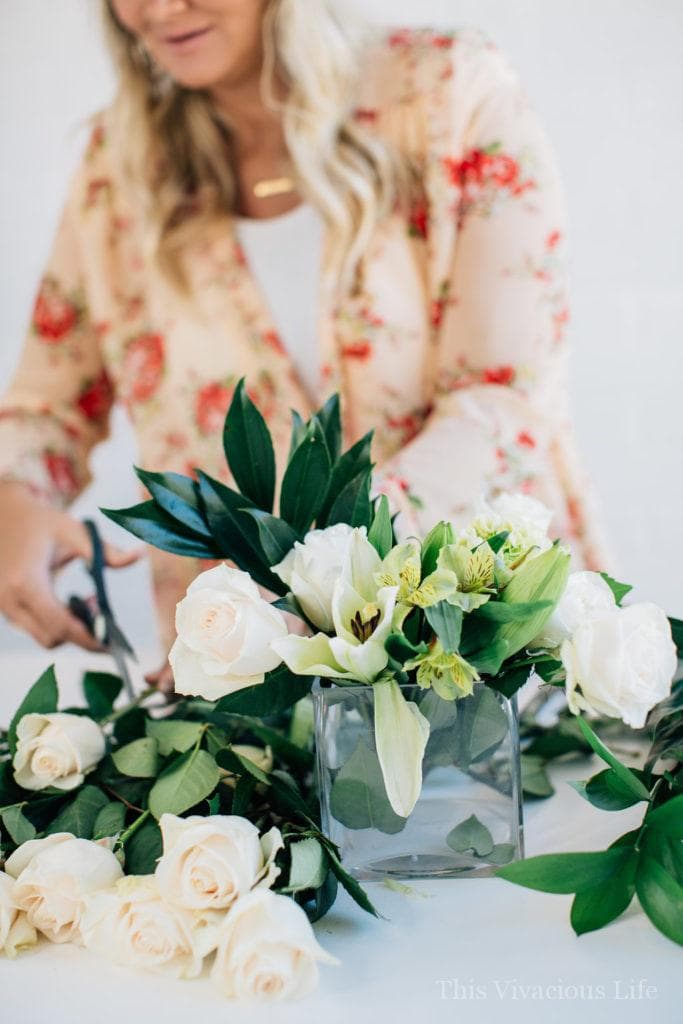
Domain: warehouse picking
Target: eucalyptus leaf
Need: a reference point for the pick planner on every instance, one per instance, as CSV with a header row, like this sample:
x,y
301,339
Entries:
x,y
535,780
471,834
358,797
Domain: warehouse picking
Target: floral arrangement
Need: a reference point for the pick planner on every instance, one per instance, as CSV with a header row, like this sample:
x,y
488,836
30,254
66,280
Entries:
x,y
167,834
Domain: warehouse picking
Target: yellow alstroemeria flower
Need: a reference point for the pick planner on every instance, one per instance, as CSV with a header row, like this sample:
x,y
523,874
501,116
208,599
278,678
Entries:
x,y
447,673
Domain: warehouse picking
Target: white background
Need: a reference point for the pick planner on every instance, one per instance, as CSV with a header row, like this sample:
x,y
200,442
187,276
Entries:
x,y
607,79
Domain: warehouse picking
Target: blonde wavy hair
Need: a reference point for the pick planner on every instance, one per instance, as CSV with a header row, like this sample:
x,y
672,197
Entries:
x,y
177,148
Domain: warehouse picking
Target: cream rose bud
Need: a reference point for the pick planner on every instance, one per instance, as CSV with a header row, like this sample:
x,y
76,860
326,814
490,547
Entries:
x,y
584,597
133,926
267,950
225,629
620,663
15,930
54,878
56,750
311,570
209,861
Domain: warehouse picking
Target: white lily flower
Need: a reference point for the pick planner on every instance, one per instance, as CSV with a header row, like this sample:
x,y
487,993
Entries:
x,y
401,734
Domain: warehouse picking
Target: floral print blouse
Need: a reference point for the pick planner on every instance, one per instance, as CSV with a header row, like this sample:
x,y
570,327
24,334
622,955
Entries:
x,y
451,345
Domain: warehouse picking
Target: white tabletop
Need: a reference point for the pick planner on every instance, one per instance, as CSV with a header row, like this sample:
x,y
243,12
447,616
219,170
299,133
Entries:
x,y
465,950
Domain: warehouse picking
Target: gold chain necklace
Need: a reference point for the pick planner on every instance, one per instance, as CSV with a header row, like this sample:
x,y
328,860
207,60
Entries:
x,y
268,187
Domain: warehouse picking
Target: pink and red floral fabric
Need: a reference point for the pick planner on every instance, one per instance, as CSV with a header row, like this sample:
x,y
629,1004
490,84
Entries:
x,y
452,344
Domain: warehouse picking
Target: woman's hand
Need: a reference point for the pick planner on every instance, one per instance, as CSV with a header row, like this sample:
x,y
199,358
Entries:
x,y
35,540
162,679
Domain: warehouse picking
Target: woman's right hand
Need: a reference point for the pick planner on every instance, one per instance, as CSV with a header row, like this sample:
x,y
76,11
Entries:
x,y
36,540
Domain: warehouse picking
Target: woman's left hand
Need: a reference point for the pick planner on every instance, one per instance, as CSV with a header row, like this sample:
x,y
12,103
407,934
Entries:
x,y
162,679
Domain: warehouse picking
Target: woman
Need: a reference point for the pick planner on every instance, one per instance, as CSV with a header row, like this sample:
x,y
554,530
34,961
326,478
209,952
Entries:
x,y
265,165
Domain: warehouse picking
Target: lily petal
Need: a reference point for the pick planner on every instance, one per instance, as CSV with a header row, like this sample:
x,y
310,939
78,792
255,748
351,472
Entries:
x,y
310,656
401,734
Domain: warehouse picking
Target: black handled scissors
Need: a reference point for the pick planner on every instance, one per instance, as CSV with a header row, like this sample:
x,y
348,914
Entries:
x,y
97,615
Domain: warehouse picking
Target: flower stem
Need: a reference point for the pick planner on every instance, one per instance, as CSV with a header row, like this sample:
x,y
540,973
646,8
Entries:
x,y
125,836
115,715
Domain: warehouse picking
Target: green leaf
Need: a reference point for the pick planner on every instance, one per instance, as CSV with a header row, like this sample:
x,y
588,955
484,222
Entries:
x,y
276,536
79,816
541,581
446,621
110,820
173,734
355,891
143,849
620,590
606,791
498,611
595,907
185,782
298,431
249,449
244,788
309,865
177,495
100,690
352,505
329,417
667,818
287,751
438,537
139,759
629,780
509,681
305,482
562,738
351,463
401,649
282,787
150,523
535,780
278,691
677,634
235,535
358,797
661,897
130,726
41,699
497,541
19,827
324,898
381,534
471,834
489,723
566,872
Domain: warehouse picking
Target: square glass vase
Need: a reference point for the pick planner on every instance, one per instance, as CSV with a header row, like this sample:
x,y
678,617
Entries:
x,y
468,818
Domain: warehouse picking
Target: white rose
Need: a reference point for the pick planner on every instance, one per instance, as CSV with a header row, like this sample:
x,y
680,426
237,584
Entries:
x,y
527,519
267,950
54,876
209,861
15,930
133,926
311,570
584,597
56,750
225,629
623,661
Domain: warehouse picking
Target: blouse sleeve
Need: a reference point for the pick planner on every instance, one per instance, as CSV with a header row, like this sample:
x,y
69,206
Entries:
x,y
58,403
500,417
